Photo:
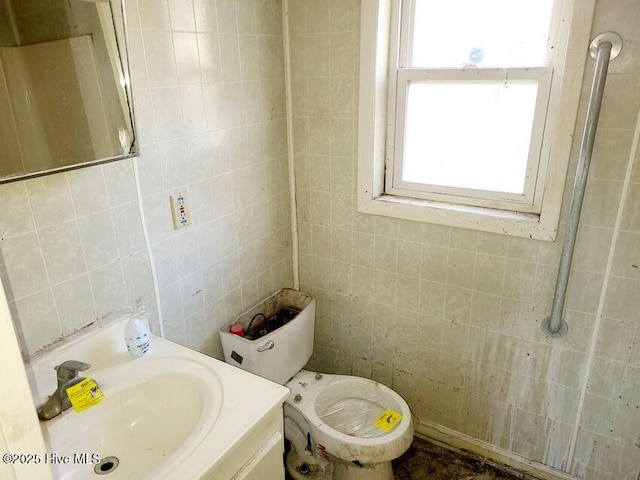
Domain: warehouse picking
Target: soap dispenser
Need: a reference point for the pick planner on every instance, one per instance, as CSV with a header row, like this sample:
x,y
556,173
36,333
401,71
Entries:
x,y
137,337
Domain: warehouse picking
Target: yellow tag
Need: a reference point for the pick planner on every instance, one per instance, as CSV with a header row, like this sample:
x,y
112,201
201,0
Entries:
x,y
85,394
388,420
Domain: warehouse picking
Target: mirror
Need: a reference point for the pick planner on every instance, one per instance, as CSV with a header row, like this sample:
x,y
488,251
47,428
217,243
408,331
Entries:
x,y
65,96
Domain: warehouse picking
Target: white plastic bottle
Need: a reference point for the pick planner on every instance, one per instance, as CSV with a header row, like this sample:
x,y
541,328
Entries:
x,y
137,337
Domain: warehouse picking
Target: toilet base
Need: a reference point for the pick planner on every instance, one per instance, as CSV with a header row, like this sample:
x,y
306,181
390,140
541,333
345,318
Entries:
x,y
337,470
377,471
293,466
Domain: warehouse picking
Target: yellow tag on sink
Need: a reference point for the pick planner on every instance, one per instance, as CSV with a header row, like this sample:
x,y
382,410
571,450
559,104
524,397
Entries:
x,y
388,420
85,394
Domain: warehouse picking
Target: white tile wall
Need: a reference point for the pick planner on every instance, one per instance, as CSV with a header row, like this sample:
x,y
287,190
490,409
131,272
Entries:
x,y
210,110
63,254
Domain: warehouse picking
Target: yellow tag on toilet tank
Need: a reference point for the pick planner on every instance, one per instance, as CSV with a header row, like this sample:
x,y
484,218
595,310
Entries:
x,y
85,394
388,420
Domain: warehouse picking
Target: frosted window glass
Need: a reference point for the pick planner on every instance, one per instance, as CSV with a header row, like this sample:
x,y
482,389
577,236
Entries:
x,y
488,33
469,135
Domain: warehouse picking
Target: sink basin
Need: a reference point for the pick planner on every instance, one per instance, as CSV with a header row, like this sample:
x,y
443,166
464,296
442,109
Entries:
x,y
148,416
172,414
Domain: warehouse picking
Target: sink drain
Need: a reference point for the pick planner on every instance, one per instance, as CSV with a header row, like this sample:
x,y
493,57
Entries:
x,y
106,465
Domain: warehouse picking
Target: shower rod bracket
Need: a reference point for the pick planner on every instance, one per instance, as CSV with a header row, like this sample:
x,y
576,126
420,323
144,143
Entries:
x,y
560,332
613,38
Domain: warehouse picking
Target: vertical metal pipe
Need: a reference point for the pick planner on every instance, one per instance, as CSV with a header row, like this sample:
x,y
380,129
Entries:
x,y
554,325
293,205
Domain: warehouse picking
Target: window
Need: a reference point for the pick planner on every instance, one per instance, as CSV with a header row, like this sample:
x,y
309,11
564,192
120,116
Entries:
x,y
467,110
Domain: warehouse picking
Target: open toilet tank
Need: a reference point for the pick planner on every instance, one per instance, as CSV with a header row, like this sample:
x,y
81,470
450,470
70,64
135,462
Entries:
x,y
279,354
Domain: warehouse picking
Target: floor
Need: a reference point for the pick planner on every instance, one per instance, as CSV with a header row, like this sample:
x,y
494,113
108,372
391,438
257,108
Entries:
x,y
426,461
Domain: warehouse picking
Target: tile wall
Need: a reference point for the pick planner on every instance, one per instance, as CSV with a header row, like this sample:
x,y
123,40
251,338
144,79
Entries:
x,y
450,318
210,84
209,97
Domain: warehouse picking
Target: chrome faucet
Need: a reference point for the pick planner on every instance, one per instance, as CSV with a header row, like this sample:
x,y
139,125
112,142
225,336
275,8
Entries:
x,y
58,402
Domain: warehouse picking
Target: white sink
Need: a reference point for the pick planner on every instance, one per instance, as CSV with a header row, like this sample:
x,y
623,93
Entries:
x,y
148,415
173,413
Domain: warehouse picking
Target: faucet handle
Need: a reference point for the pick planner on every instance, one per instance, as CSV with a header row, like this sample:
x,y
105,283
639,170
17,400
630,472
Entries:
x,y
69,369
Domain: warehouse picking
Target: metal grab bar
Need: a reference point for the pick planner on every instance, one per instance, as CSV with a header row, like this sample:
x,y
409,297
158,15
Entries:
x,y
604,48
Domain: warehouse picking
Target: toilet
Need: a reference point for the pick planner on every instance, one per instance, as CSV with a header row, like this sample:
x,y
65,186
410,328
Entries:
x,y
339,426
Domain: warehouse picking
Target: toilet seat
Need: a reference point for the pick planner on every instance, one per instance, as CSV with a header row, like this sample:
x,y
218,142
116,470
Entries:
x,y
351,440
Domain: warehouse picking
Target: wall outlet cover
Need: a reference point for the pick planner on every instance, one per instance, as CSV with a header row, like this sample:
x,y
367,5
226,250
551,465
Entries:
x,y
180,210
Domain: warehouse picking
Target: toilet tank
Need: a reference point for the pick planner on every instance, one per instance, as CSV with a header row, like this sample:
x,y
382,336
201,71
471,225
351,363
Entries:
x,y
280,353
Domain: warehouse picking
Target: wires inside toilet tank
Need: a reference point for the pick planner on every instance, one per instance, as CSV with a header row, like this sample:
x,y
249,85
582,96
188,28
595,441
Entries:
x,y
260,314
270,324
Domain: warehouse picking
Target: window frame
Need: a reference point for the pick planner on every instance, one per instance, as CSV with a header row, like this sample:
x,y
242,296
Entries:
x,y
536,214
528,201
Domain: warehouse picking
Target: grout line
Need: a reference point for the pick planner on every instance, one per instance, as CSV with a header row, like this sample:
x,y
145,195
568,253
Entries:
x,y
82,247
44,263
603,293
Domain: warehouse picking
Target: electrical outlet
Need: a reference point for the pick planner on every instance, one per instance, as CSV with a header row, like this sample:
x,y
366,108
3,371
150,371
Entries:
x,y
180,210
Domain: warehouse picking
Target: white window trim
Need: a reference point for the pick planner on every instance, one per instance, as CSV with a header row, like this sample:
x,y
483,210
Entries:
x,y
376,22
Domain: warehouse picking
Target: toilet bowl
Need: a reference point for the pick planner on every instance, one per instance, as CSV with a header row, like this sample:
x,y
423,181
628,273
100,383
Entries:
x,y
339,414
340,427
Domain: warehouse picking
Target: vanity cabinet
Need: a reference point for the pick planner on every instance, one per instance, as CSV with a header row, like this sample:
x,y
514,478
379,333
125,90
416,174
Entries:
x,y
257,455
266,463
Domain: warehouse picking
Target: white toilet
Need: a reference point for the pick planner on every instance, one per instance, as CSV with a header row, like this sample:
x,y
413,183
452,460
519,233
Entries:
x,y
339,426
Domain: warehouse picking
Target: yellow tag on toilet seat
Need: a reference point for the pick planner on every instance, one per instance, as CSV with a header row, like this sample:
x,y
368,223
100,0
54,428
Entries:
x,y
388,420
85,394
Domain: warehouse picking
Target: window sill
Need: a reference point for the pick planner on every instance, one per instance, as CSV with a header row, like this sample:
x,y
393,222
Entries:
x,y
474,218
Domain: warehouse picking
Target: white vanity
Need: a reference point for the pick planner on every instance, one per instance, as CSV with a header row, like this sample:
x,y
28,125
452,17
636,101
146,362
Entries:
x,y
171,414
